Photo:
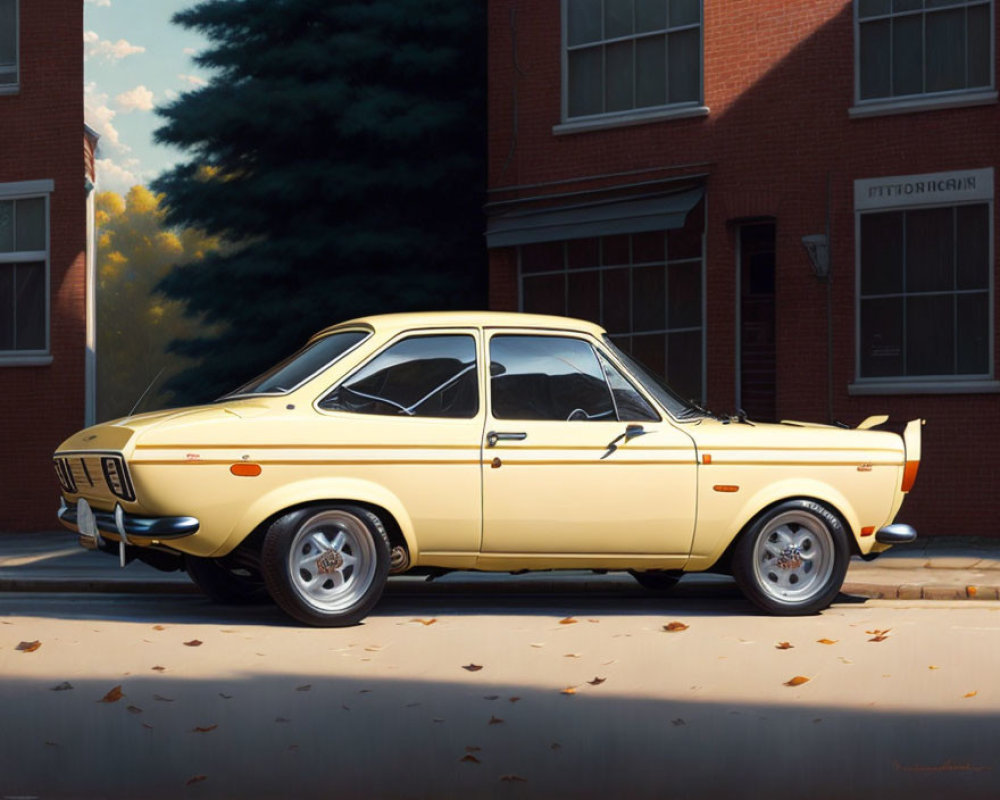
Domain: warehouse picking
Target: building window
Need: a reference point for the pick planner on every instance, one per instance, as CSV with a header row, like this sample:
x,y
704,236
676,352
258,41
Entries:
x,y
8,45
628,55
24,262
645,289
925,293
919,48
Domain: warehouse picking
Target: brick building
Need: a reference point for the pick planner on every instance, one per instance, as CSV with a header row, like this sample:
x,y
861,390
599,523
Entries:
x,y
46,178
785,207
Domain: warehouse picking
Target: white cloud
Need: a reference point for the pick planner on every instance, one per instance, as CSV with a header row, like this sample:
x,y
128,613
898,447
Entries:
x,y
193,80
96,47
117,177
137,99
190,51
99,3
99,116
170,94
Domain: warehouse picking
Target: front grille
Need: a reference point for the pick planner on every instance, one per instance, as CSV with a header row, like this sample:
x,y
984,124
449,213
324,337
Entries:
x,y
101,476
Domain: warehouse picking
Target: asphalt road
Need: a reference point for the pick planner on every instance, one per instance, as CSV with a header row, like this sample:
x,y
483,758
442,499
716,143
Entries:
x,y
543,695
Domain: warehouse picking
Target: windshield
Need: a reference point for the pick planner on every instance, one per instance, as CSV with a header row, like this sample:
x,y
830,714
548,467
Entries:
x,y
309,361
656,386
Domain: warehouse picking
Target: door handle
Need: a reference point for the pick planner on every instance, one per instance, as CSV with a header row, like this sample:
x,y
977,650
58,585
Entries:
x,y
495,436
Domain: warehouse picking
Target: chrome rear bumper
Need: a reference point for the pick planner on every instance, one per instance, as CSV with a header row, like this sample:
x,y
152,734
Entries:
x,y
897,533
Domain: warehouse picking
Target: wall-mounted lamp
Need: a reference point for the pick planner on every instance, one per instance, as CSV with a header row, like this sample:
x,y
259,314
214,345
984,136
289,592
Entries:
x,y
818,247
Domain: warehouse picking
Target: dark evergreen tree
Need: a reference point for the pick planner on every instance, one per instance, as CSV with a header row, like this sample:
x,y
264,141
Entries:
x,y
340,146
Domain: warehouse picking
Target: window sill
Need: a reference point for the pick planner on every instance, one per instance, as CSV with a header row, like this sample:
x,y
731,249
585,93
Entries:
x,y
861,388
40,360
629,118
879,108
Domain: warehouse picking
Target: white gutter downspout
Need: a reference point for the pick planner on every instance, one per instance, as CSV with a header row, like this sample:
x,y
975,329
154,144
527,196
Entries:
x,y
90,355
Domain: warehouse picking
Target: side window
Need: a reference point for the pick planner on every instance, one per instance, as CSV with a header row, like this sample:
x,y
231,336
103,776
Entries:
x,y
547,378
422,376
630,405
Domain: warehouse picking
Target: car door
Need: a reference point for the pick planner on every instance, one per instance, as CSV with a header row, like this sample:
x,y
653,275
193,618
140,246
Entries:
x,y
579,468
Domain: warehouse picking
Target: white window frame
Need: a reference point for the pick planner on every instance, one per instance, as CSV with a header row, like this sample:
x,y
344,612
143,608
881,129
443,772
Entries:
x,y
634,116
912,193
30,190
15,87
924,101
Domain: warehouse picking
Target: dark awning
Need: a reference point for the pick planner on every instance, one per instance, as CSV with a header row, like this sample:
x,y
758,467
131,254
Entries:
x,y
658,213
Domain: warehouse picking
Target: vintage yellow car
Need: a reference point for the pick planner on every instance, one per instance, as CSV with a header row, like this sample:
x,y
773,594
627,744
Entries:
x,y
479,441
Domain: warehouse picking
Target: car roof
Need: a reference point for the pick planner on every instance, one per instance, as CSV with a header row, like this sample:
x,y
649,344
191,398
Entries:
x,y
466,319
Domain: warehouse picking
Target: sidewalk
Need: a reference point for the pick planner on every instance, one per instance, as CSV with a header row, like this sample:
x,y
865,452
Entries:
x,y
944,568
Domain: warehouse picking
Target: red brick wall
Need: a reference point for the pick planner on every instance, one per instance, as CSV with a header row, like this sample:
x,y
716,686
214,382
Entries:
x,y
41,128
779,80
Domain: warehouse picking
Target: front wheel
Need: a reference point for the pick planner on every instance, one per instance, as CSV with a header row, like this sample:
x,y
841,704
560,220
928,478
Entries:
x,y
792,560
326,566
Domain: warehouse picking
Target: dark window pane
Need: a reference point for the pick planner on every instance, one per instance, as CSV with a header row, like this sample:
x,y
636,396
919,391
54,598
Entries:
x,y
423,376
650,15
6,226
684,295
615,317
542,257
649,248
549,378
872,8
545,294
906,5
649,295
29,303
881,338
684,66
30,224
619,77
875,64
686,242
6,306
907,55
584,21
585,296
930,335
980,67
930,250
582,253
684,364
586,82
973,333
8,34
630,404
305,363
650,350
651,71
617,18
973,268
615,251
685,12
882,253
945,32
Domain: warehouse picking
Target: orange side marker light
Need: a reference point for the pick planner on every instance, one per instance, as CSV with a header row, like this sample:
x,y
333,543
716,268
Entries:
x,y
720,487
706,459
245,470
868,531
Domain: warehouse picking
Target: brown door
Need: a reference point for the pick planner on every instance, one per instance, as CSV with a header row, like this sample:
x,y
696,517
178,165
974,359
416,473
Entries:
x,y
757,351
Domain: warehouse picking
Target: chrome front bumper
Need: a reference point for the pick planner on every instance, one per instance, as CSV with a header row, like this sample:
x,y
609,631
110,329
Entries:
x,y
125,526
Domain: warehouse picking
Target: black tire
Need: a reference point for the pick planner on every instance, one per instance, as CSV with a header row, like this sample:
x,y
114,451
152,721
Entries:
x,y
656,580
224,585
326,565
792,559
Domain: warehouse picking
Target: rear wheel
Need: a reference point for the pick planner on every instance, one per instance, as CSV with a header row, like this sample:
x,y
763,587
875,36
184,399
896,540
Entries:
x,y
792,560
223,584
326,566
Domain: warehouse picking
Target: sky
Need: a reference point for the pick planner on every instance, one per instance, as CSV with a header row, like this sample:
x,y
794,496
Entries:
x,y
135,59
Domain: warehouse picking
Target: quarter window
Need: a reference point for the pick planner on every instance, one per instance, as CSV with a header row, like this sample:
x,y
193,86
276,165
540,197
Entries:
x,y
8,45
925,292
23,275
624,55
908,48
421,376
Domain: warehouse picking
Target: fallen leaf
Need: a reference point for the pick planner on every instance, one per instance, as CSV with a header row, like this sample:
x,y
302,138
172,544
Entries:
x,y
555,746
933,667
878,632
568,621
513,779
538,644
158,628
678,722
147,726
225,696
971,694
63,687
196,779
163,699
597,681
569,690
571,655
159,669
490,696
826,641
675,627
880,638
28,647
134,710
193,643
473,667
373,649
304,688
494,720
469,758
845,660
113,696
204,729
424,621
346,708
593,620
798,680
513,699
784,646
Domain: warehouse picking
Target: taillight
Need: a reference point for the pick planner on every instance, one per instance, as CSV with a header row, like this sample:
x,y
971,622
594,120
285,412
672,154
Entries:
x,y
910,474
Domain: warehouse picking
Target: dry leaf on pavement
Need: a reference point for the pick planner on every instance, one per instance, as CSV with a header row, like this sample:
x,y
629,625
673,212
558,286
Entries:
x,y
470,759
28,647
424,621
159,669
196,779
826,641
163,699
113,696
193,643
675,627
798,680
568,621
971,694
204,729
473,667
494,720
513,779
158,628
304,688
134,710
784,646
569,690
597,681
62,687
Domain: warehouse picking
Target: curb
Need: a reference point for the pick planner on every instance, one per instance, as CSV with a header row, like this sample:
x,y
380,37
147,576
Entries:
x,y
916,591
99,586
